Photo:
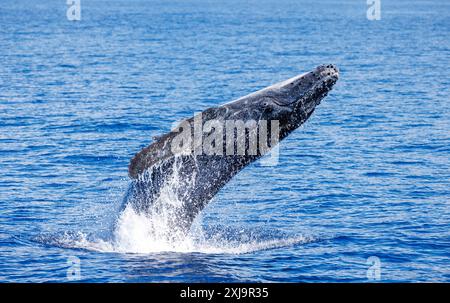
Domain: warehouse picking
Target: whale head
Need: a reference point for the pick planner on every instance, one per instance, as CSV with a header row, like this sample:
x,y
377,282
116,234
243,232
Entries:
x,y
292,101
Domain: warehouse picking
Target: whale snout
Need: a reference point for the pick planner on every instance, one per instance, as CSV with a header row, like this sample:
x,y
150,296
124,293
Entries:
x,y
324,72
325,77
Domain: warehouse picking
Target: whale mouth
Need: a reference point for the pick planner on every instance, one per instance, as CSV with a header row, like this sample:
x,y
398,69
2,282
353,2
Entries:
x,y
316,93
309,88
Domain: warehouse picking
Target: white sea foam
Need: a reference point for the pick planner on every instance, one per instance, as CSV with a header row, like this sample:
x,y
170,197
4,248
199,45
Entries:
x,y
156,231
134,234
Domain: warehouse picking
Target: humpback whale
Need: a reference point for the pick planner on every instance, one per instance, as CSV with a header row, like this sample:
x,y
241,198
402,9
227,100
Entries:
x,y
181,171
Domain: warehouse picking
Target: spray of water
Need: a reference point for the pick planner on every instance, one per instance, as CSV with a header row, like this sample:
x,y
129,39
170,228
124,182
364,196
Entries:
x,y
155,230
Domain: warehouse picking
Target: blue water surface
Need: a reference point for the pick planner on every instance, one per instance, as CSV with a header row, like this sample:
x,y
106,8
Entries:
x,y
367,176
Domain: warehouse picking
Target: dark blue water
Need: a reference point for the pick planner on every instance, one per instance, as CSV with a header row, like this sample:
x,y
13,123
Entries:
x,y
367,176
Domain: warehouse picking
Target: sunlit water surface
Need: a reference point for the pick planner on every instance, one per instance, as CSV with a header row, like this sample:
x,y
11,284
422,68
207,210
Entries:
x,y
368,175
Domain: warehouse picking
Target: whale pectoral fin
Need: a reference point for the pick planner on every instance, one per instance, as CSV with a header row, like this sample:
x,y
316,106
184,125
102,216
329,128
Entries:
x,y
138,163
150,155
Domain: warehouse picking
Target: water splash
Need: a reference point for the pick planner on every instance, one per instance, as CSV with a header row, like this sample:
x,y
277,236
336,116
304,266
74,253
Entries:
x,y
133,235
163,195
155,227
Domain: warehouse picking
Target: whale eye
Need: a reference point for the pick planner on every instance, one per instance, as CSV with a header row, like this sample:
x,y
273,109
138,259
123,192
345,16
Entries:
x,y
267,106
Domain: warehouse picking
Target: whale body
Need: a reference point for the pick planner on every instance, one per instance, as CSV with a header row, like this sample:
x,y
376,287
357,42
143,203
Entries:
x,y
181,171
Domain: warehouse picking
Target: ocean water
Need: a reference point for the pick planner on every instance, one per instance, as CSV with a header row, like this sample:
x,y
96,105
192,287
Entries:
x,y
361,192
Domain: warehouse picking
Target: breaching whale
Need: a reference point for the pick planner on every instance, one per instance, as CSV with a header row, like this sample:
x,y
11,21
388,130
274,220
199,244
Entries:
x,y
181,171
